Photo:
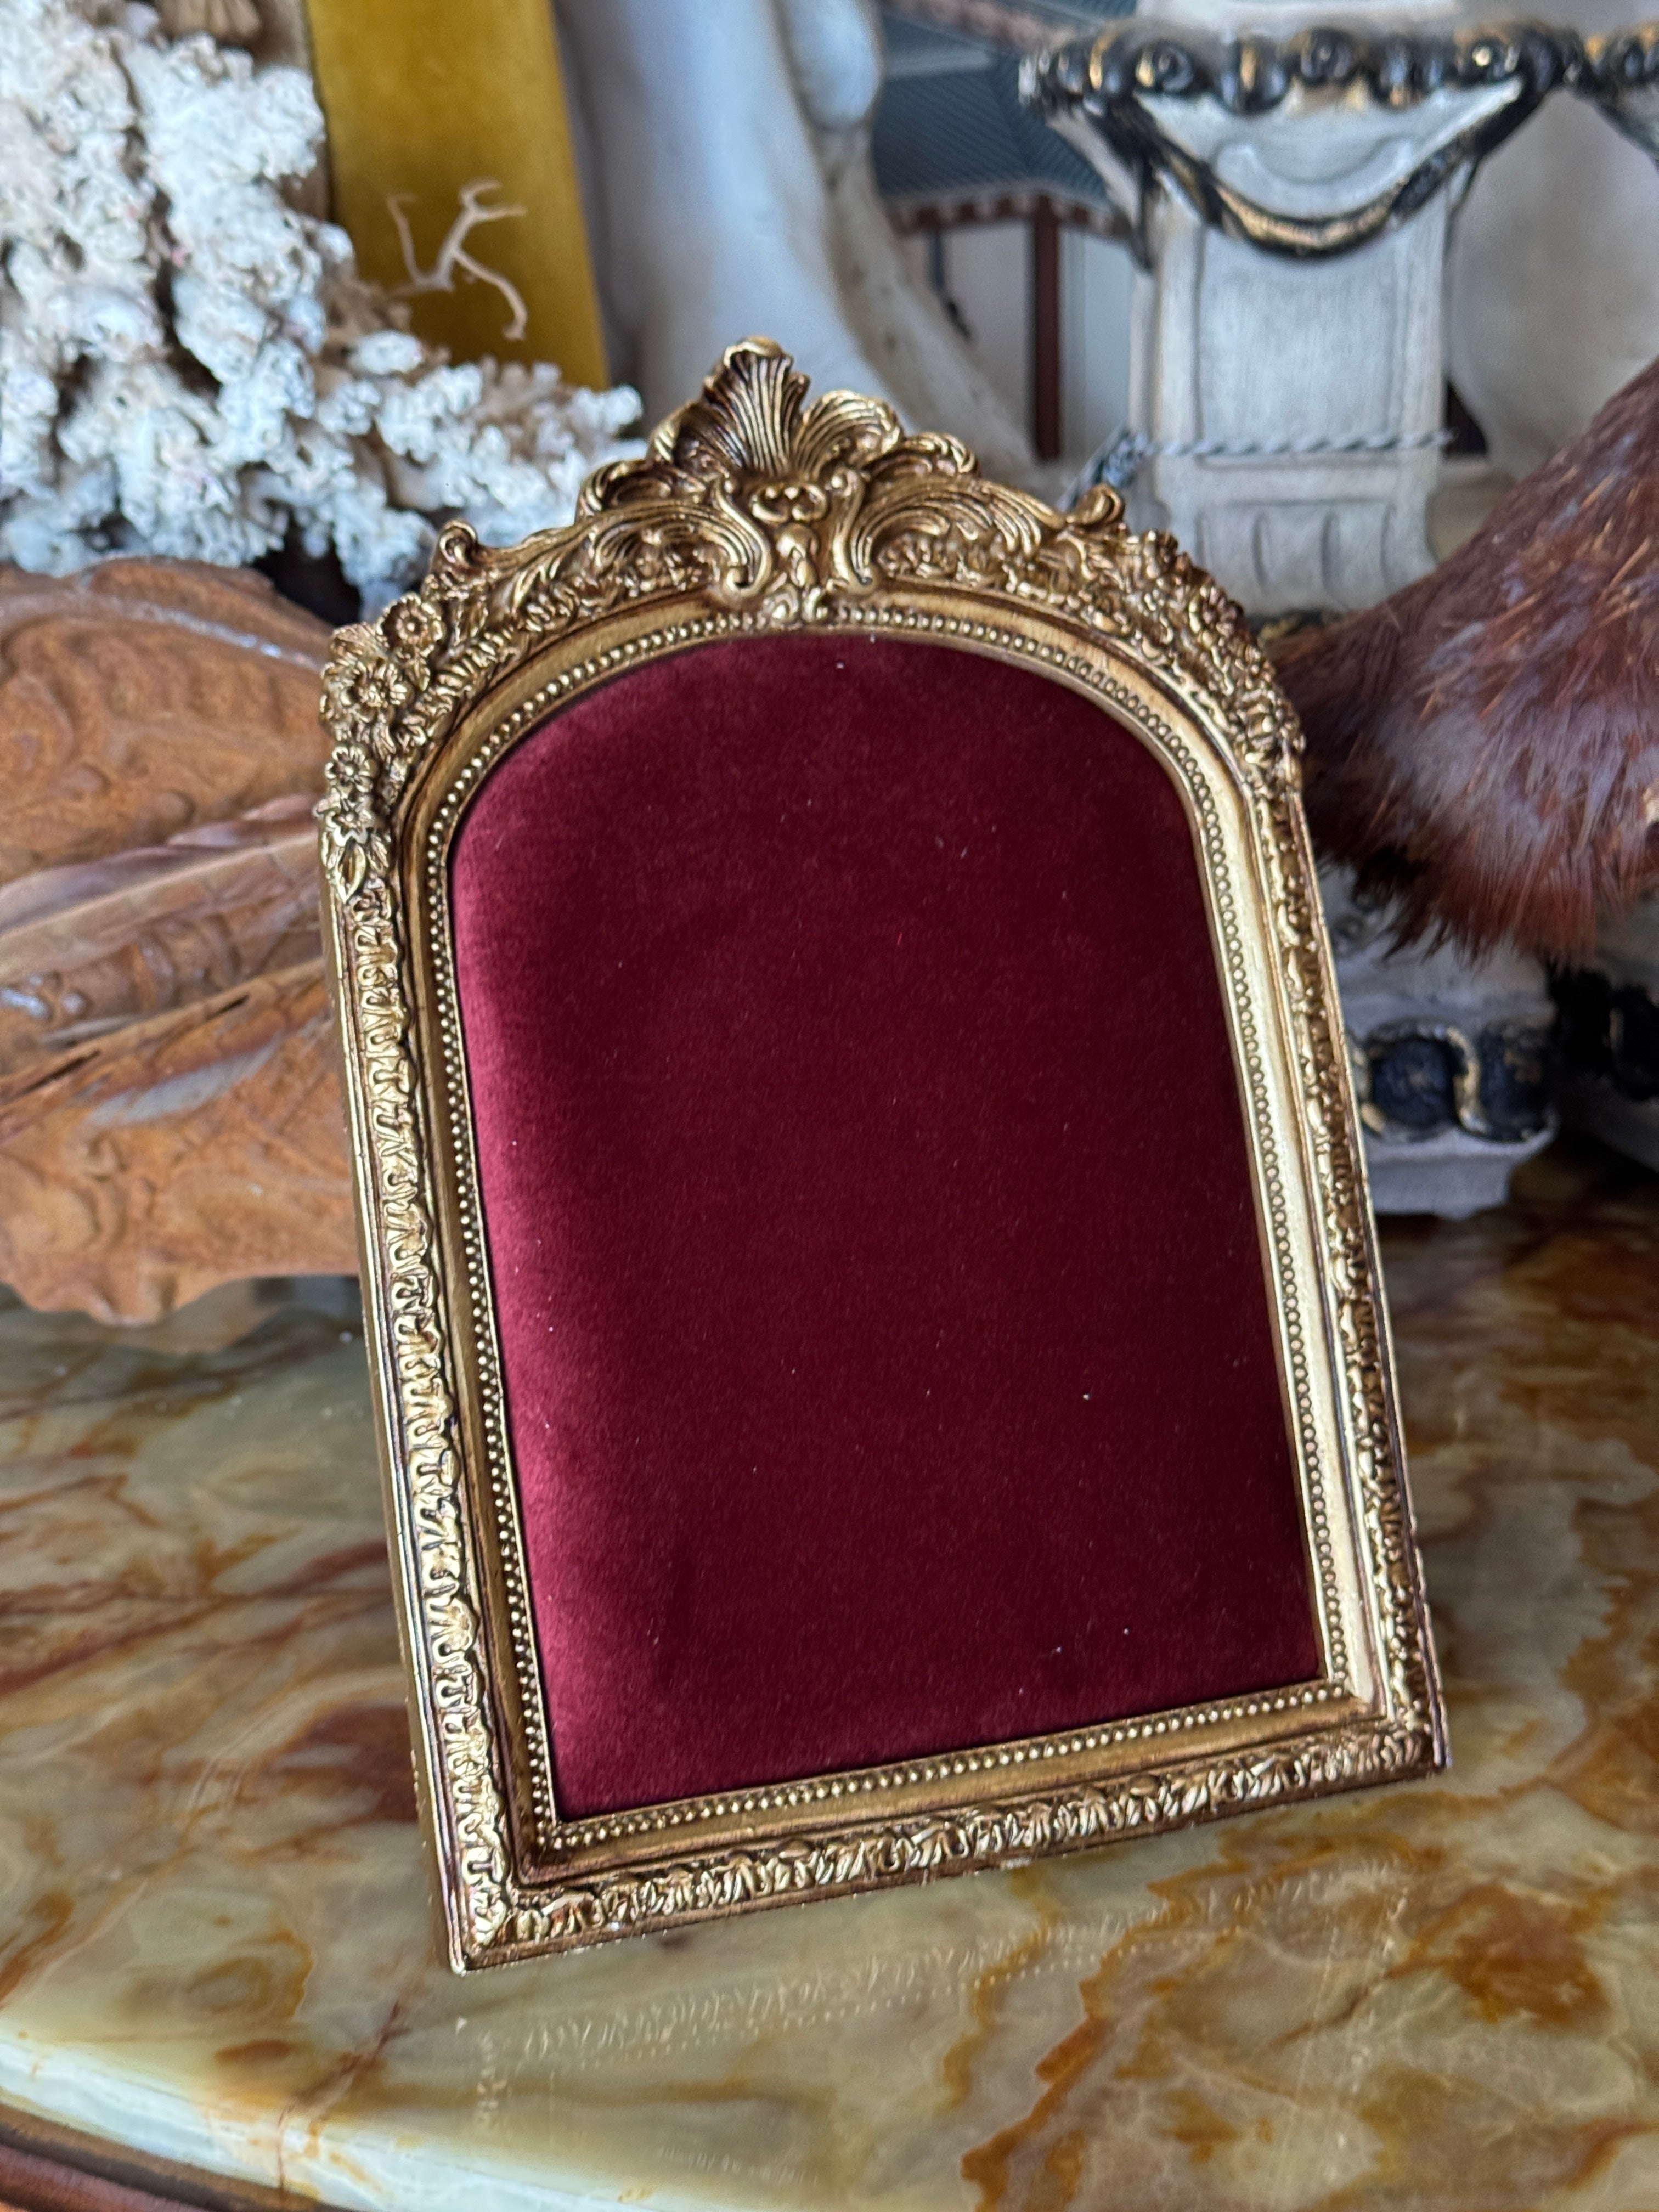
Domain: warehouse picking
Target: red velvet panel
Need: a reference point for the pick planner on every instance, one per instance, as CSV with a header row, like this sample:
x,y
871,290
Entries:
x,y
887,1346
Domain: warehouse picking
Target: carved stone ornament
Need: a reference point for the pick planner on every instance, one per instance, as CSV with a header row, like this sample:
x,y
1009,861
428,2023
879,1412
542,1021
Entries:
x,y
755,512
1292,200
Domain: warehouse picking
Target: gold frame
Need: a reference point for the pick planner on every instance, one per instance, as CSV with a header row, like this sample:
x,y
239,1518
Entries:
x,y
754,511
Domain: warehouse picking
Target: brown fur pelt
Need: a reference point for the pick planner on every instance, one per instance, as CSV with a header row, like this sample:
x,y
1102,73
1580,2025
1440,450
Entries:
x,y
1486,743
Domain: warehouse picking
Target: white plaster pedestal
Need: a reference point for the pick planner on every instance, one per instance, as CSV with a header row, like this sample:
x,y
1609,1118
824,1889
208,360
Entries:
x,y
1449,1057
1291,197
1242,347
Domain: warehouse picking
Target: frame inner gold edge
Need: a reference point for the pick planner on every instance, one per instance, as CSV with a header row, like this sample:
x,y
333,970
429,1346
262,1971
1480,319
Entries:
x,y
559,1848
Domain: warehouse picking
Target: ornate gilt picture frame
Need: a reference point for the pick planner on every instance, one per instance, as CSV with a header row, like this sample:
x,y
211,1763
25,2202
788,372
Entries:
x,y
755,512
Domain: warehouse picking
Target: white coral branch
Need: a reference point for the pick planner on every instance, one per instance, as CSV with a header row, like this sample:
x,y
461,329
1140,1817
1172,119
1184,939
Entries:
x,y
453,254
191,365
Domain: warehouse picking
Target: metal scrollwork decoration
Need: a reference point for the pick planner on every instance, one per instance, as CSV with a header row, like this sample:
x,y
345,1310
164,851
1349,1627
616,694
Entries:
x,y
790,511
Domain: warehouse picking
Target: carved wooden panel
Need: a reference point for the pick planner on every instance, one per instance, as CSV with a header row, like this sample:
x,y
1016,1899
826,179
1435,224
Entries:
x,y
142,1168
170,1111
146,698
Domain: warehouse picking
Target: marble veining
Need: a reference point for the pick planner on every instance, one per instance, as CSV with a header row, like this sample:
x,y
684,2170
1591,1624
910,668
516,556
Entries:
x,y
213,1931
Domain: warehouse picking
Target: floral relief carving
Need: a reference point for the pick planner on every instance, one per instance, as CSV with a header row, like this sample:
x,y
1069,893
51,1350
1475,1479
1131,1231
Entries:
x,y
912,1852
795,512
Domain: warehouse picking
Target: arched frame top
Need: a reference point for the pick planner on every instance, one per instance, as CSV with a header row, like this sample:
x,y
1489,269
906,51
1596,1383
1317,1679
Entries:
x,y
755,514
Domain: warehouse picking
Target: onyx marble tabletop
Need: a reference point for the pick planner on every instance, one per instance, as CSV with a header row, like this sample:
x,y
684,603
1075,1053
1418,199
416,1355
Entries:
x,y
214,1943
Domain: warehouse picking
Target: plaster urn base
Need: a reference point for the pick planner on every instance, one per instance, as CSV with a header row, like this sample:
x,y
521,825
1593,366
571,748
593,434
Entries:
x,y
1451,1061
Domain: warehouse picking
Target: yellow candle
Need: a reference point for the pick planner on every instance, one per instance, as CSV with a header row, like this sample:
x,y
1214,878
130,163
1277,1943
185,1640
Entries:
x,y
426,97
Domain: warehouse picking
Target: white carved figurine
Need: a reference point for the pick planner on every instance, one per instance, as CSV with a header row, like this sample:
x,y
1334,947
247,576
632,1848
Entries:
x,y
732,193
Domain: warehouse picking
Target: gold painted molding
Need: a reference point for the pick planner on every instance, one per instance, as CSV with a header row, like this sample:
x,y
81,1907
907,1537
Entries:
x,y
754,512
423,97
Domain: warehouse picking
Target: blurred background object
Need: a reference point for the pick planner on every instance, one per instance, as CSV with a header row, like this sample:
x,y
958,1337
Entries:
x,y
1288,198
1608,1041
1010,226
1291,192
1553,293
415,115
1450,1058
1483,744
730,167
170,1109
193,362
